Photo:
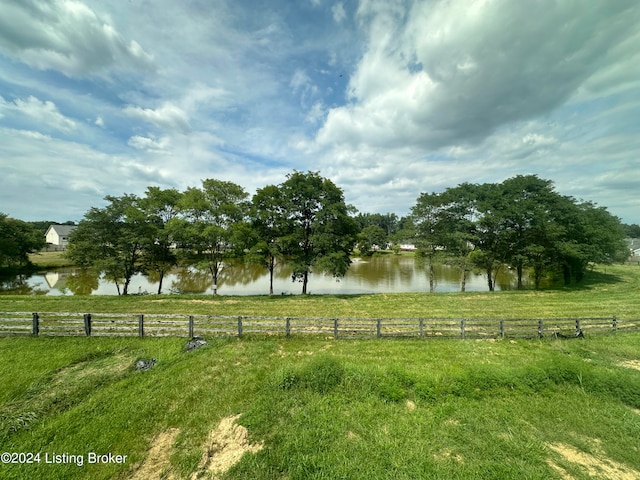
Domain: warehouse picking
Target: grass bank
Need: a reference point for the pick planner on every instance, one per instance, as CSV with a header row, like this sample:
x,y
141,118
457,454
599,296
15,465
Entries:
x,y
302,408
608,290
48,260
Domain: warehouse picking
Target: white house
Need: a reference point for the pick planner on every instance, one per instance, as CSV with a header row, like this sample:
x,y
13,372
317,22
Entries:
x,y
59,234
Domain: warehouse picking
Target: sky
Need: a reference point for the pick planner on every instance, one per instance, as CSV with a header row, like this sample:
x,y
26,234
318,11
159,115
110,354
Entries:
x,y
387,98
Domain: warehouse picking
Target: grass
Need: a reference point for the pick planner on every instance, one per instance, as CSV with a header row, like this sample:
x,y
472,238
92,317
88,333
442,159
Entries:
x,y
608,290
47,260
319,408
535,409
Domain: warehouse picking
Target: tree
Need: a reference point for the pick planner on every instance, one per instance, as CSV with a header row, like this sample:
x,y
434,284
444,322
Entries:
x,y
319,231
268,224
159,207
212,224
631,231
17,240
429,219
371,237
111,239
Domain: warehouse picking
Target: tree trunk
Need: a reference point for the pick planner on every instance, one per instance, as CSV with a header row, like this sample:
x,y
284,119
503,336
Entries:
x,y
463,280
271,268
519,270
431,277
490,278
305,279
160,284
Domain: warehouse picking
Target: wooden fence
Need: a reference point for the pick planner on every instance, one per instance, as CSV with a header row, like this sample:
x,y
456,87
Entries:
x,y
155,325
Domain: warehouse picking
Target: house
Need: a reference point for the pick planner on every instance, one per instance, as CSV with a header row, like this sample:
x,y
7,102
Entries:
x,y
59,234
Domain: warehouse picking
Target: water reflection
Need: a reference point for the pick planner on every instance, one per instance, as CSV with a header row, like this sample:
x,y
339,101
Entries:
x,y
383,274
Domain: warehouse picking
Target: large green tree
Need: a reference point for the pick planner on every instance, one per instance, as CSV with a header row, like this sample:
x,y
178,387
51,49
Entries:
x,y
320,231
17,240
159,207
269,225
212,225
111,239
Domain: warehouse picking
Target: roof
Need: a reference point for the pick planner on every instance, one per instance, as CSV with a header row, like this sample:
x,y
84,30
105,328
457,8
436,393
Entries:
x,y
62,230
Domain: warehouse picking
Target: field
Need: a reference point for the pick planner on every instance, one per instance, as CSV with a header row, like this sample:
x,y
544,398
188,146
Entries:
x,y
318,408
270,407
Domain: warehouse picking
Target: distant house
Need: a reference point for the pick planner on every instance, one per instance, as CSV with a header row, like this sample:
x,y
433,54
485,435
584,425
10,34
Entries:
x,y
59,234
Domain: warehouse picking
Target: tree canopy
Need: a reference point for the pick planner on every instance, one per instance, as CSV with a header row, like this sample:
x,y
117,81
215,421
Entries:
x,y
521,223
17,240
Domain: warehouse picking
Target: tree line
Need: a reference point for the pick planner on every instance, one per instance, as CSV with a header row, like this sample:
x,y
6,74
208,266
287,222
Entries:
x,y
303,221
521,223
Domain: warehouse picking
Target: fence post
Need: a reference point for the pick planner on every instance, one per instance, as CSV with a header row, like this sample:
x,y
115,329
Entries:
x,y
578,329
378,328
540,328
239,326
615,324
335,328
502,331
35,327
87,324
462,325
141,325
287,326
191,326
421,327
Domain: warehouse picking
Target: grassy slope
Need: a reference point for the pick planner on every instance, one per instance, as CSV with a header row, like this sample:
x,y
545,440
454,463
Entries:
x,y
327,409
335,409
610,290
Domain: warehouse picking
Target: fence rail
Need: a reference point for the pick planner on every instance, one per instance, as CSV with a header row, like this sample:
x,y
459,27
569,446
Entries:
x,y
157,325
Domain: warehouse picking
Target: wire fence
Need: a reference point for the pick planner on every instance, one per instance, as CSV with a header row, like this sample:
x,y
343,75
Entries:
x,y
158,325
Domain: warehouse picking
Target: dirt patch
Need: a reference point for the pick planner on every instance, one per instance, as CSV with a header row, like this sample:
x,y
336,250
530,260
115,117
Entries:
x,y
225,446
156,465
635,364
447,454
411,406
596,466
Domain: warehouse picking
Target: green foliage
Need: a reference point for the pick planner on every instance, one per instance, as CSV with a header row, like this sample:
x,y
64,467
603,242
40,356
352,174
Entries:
x,y
521,222
17,240
318,229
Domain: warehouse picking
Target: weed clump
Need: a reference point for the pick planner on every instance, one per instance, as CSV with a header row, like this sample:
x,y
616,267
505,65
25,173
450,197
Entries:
x,y
320,375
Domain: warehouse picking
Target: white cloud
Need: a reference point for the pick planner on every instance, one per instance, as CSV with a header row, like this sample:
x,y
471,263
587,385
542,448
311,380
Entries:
x,y
339,13
99,122
168,116
45,113
67,36
450,72
150,144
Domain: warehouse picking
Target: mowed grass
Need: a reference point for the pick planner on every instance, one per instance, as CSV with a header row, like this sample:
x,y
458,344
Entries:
x,y
606,291
319,408
50,260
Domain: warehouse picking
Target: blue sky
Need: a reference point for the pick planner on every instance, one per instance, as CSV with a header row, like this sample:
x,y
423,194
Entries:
x,y
388,98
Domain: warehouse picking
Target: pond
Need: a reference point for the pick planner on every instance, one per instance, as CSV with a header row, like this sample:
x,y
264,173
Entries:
x,y
382,274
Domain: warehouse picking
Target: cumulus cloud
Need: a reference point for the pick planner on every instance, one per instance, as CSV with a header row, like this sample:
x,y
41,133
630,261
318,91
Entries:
x,y
149,143
67,36
45,113
168,116
448,72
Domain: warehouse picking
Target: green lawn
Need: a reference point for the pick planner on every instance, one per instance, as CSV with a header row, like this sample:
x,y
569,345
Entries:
x,y
317,408
313,407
